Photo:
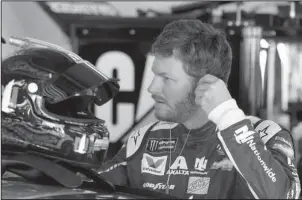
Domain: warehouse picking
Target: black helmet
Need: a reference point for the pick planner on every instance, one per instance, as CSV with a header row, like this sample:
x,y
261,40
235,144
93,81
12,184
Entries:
x,y
48,95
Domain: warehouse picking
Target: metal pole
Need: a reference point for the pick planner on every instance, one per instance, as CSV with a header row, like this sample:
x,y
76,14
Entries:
x,y
270,72
250,89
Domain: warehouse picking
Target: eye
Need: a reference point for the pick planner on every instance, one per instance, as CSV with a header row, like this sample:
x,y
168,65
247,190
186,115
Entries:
x,y
166,78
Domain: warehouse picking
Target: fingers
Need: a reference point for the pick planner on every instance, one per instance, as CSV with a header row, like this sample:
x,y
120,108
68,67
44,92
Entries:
x,y
206,82
208,78
202,87
210,92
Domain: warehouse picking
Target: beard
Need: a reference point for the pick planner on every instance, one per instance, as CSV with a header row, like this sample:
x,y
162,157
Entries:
x,y
182,111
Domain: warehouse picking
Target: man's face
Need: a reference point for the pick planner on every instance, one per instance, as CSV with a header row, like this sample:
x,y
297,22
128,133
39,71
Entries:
x,y
172,90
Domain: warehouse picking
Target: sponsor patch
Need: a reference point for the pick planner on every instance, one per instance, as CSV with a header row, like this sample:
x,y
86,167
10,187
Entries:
x,y
153,165
290,194
198,185
135,136
161,145
290,162
135,140
224,164
295,190
267,129
263,132
158,186
245,137
200,166
179,167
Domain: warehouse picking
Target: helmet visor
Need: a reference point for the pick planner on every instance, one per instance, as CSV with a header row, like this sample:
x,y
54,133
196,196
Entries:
x,y
81,79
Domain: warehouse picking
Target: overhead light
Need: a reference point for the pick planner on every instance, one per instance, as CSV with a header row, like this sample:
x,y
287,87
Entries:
x,y
83,8
264,44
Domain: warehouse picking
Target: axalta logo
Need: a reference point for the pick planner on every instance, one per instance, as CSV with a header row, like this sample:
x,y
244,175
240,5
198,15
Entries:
x,y
161,145
153,165
179,167
244,136
158,186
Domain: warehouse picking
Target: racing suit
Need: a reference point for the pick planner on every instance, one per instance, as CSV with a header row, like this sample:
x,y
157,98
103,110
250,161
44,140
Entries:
x,y
231,156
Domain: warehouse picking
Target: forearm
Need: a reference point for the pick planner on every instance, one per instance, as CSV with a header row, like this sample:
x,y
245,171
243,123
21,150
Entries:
x,y
265,175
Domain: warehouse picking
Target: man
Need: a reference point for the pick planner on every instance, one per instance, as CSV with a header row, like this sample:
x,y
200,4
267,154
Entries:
x,y
203,145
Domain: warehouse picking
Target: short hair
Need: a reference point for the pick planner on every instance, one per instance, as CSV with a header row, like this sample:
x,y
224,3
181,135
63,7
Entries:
x,y
202,48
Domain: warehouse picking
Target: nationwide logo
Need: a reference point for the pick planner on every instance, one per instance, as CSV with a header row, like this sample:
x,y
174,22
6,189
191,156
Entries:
x,y
161,145
198,185
153,165
158,186
179,167
224,164
244,136
200,166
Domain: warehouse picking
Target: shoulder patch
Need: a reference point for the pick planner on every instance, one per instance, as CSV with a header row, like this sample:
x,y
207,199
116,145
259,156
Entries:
x,y
135,139
164,125
267,129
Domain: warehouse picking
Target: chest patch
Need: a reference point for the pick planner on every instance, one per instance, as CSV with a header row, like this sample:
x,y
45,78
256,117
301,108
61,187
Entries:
x,y
154,165
161,145
198,185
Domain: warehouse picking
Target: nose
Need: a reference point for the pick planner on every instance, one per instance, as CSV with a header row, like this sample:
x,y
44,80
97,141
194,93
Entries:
x,y
154,87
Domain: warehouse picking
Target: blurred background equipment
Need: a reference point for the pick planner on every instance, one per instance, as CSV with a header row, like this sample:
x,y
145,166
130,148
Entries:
x,y
266,37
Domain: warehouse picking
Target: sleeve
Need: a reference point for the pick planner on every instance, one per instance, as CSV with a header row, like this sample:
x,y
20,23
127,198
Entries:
x,y
115,170
262,153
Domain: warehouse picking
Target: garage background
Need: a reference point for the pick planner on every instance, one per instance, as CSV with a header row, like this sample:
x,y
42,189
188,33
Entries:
x,y
266,77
